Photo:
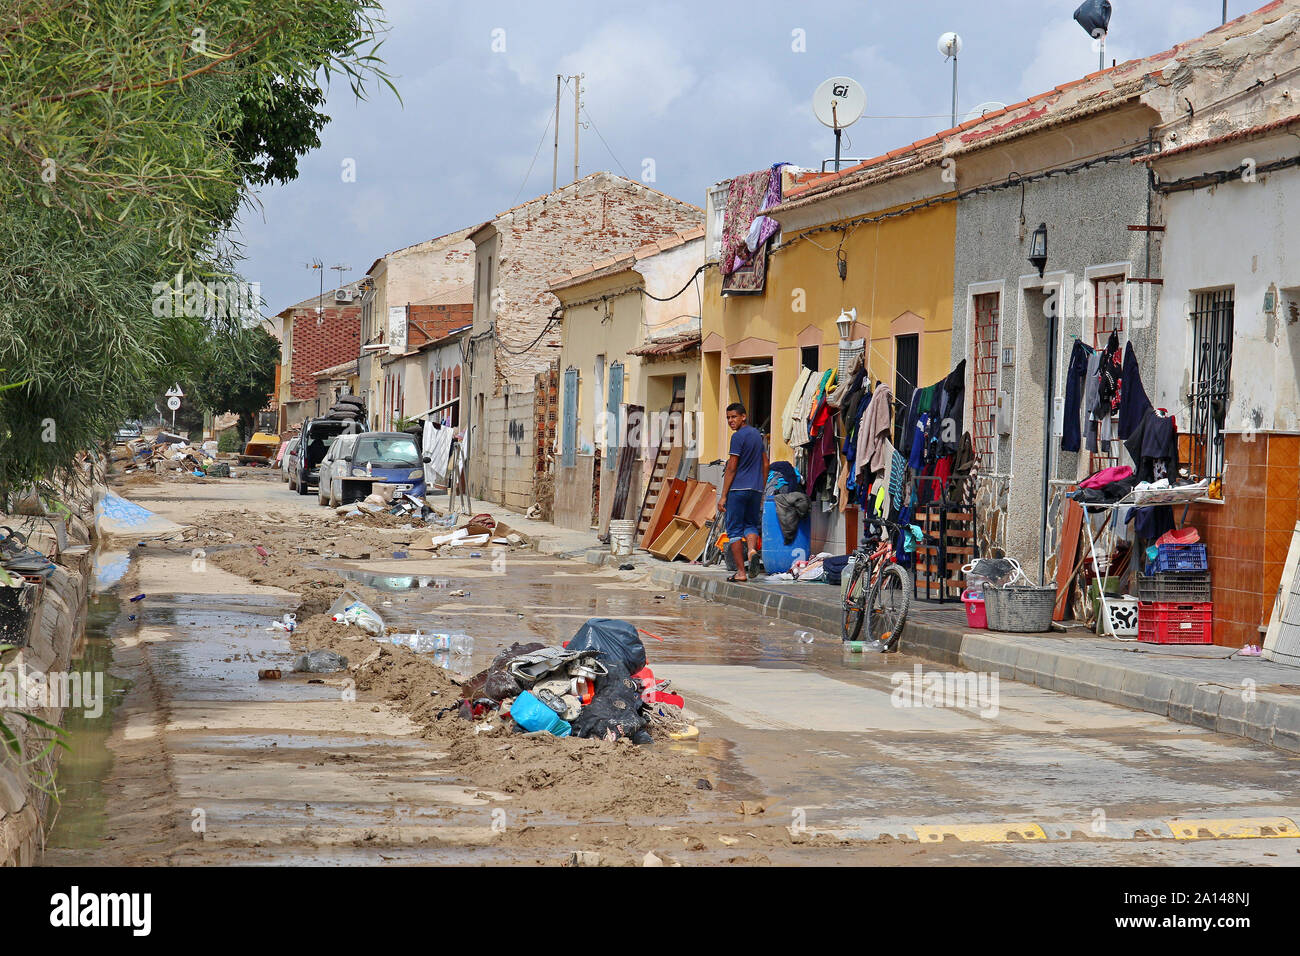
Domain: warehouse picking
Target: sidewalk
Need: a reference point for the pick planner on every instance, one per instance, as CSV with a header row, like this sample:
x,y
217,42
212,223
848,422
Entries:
x,y
1203,685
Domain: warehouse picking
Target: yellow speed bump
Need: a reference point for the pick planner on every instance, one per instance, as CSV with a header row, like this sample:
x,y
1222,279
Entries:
x,y
1233,828
980,832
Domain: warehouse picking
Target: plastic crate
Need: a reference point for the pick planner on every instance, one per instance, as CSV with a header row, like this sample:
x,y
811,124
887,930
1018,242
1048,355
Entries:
x,y
1179,557
1161,622
1175,587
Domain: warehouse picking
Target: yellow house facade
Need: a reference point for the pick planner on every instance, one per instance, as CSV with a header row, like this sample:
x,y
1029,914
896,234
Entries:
x,y
865,243
620,347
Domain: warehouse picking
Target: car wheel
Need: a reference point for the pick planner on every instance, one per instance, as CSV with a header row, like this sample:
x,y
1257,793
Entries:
x,y
322,493
301,485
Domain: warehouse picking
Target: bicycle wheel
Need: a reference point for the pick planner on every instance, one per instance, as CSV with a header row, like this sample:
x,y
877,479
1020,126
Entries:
x,y
891,596
855,601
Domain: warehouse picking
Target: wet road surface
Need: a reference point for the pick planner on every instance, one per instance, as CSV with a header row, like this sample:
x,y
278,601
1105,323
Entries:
x,y
236,770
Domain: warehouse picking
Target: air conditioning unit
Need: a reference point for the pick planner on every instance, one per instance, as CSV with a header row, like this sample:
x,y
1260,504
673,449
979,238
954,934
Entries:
x,y
343,295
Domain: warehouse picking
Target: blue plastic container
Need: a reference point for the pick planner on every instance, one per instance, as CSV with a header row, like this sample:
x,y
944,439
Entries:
x,y
531,714
778,556
1179,557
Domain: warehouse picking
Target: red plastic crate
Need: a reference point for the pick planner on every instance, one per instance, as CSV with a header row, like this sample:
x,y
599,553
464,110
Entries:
x,y
1162,622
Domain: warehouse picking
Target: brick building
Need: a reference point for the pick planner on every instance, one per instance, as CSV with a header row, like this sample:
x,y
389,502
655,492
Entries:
x,y
317,333
436,272
516,256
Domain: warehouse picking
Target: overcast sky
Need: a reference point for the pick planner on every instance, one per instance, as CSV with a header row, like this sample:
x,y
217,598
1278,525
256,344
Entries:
x,y
695,92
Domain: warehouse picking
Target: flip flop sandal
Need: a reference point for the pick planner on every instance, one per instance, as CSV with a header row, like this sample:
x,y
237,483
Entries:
x,y
737,580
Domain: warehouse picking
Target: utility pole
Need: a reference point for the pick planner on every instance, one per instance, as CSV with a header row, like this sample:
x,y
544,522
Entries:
x,y
1225,11
555,162
577,122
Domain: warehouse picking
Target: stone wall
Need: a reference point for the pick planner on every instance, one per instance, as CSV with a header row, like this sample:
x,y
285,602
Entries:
x,y
508,433
56,631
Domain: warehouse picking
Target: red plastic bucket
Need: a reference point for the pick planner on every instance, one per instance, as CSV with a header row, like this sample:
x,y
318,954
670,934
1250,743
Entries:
x,y
975,616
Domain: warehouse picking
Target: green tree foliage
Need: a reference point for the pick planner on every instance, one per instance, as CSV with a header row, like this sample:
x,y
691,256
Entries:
x,y
238,374
130,133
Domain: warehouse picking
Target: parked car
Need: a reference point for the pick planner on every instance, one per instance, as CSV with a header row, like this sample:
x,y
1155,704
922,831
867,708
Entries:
x,y
337,457
286,459
314,442
390,457
128,431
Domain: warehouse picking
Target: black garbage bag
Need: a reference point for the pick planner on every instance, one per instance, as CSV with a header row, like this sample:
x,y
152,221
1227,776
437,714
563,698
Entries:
x,y
615,710
616,642
496,681
1094,16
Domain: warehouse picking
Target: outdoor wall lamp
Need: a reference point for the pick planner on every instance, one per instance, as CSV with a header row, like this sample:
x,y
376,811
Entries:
x,y
1038,248
845,323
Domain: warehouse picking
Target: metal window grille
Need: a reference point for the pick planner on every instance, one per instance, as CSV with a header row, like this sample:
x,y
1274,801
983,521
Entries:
x,y
1108,316
1212,323
985,368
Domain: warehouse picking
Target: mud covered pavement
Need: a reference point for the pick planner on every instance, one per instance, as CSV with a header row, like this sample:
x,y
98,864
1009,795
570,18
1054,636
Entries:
x,y
804,755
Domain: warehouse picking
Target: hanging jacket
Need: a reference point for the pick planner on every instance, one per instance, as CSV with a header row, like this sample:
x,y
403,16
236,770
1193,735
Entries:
x,y
873,431
793,403
953,412
1133,401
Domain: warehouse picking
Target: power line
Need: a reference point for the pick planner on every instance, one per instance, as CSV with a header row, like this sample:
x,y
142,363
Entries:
x,y
537,152
606,145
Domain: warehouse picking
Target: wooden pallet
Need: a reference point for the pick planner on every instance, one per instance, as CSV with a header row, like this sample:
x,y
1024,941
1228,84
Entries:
x,y
668,460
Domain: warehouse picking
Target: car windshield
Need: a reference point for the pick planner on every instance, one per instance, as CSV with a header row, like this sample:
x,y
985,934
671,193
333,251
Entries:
x,y
392,452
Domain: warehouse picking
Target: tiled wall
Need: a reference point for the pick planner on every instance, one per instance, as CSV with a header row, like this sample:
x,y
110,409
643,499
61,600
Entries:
x,y
1247,537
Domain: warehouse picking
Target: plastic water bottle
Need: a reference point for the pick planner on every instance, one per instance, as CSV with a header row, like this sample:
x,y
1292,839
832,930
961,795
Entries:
x,y
803,637
462,645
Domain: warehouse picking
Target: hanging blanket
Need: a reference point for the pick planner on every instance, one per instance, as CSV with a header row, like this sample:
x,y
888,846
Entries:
x,y
745,232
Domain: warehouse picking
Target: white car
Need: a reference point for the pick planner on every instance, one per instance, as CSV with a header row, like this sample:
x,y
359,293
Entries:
x,y
286,460
336,461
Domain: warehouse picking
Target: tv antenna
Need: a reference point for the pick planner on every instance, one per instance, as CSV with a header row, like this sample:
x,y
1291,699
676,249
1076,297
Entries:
x,y
839,103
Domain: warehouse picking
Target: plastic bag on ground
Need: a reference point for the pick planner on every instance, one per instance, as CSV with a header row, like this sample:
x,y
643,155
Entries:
x,y
350,609
614,712
616,643
495,682
320,662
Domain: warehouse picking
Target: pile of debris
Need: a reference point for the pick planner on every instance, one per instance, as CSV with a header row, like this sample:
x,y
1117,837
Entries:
x,y
164,453
595,685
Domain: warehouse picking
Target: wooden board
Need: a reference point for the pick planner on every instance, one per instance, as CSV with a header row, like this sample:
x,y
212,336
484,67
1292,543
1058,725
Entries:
x,y
665,510
671,540
694,546
700,503
1066,554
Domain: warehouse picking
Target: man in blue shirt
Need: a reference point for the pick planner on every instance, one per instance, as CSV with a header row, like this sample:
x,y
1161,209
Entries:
x,y
742,490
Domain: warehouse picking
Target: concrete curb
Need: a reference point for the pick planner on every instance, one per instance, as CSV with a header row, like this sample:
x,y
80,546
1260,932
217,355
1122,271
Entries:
x,y
1270,719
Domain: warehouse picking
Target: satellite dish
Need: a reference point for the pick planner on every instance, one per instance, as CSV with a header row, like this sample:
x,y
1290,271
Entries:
x,y
839,102
950,44
992,106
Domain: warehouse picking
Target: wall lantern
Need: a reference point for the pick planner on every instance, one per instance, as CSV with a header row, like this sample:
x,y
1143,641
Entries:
x,y
1038,248
845,323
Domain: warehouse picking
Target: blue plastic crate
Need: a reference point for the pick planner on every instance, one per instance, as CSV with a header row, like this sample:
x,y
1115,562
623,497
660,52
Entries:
x,y
1179,557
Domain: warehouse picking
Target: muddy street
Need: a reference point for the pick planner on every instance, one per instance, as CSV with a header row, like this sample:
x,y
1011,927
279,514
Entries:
x,y
804,754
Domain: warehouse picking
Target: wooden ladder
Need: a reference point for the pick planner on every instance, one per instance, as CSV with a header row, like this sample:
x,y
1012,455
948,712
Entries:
x,y
659,475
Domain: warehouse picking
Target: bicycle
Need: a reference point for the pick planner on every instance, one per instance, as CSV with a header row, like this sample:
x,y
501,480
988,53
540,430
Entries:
x,y
878,592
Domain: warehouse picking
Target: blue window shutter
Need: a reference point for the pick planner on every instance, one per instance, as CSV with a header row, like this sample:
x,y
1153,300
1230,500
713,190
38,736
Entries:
x,y
613,427
570,437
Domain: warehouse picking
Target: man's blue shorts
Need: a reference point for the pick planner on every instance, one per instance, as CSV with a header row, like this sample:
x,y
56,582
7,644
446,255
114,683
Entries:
x,y
744,514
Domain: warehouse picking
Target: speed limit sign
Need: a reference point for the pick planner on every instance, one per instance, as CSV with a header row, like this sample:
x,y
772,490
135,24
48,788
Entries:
x,y
173,403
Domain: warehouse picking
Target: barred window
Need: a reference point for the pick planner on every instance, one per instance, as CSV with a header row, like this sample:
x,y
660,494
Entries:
x,y
1212,323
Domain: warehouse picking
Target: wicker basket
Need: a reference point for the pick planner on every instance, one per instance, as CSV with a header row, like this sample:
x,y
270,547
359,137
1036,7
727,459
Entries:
x,y
1023,609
